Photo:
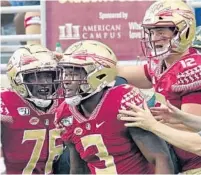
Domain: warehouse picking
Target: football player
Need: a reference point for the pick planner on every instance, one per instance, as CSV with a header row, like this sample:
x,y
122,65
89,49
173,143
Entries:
x,y
30,141
88,117
174,68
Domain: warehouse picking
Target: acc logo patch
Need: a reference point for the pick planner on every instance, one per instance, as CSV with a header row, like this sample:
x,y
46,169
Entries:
x,y
67,121
34,120
78,131
23,111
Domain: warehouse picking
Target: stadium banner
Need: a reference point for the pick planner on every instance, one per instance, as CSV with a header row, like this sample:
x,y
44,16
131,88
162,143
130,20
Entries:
x,y
115,23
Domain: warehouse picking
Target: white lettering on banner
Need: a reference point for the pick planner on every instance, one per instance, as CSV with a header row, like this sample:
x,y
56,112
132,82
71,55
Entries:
x,y
134,26
134,35
120,15
70,31
104,35
135,30
102,28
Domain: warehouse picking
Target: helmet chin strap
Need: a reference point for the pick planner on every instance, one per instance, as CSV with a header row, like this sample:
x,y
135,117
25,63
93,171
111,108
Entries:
x,y
40,102
74,101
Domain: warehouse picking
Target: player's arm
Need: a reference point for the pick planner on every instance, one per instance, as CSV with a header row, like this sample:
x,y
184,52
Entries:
x,y
144,119
191,120
169,113
77,165
154,149
135,75
182,139
191,104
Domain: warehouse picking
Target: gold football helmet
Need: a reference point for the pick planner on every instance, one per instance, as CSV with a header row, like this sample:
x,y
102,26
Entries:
x,y
99,63
31,59
175,15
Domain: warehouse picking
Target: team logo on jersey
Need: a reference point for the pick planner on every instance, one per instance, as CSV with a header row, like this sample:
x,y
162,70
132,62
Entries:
x,y
78,131
23,111
34,120
67,121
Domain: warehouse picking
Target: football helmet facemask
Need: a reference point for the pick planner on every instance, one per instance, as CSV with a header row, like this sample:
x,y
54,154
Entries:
x,y
26,71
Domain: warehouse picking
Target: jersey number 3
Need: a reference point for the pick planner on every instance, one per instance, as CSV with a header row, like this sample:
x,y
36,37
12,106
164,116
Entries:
x,y
96,140
39,137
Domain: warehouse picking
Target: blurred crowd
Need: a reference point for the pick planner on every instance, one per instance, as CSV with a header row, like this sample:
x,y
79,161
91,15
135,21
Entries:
x,y
20,23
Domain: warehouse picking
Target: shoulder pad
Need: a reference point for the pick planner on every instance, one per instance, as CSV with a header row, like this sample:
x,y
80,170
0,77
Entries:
x,y
189,79
9,98
131,95
4,108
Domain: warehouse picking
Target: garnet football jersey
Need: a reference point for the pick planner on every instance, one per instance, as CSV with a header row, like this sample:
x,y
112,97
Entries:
x,y
102,140
180,83
30,141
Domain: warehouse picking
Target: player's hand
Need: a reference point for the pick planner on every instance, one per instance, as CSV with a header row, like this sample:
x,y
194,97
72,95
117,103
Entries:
x,y
138,117
167,114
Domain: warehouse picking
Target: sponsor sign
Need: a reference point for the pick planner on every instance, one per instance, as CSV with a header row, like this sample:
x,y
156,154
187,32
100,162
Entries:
x,y
117,24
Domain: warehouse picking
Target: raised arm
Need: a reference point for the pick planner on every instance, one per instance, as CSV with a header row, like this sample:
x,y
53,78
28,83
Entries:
x,y
185,140
135,75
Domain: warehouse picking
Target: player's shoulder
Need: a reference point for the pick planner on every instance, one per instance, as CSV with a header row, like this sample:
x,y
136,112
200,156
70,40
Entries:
x,y
188,77
127,93
190,60
6,90
118,92
8,96
122,89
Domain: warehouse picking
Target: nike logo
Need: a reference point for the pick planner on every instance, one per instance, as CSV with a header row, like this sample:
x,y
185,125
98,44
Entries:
x,y
99,125
160,89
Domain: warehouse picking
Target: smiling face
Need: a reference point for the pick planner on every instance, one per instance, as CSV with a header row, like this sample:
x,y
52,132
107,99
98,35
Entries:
x,y
73,77
40,84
